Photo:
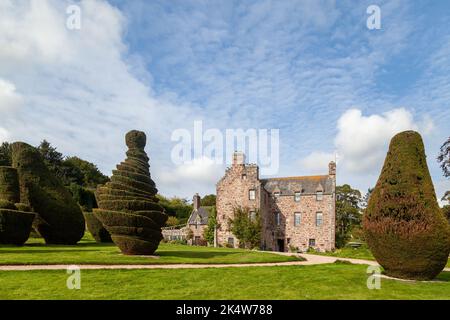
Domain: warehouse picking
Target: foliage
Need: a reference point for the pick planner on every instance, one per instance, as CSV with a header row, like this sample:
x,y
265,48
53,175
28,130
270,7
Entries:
x,y
96,228
177,207
444,157
5,154
128,207
59,219
246,229
208,200
90,175
172,221
208,233
348,213
446,212
404,227
83,196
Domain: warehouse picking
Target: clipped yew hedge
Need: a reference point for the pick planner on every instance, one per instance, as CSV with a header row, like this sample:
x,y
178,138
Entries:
x,y
59,218
15,222
96,228
127,206
403,224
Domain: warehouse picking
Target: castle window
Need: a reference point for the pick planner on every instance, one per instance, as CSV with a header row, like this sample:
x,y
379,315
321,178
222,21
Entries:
x,y
319,195
277,218
276,194
231,242
312,242
252,215
297,218
297,196
252,194
319,219
244,177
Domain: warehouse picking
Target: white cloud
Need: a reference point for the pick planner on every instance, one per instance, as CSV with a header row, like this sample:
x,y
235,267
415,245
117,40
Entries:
x,y
362,140
4,135
198,170
317,162
10,100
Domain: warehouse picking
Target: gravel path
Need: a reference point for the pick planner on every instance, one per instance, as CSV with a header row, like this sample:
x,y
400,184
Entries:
x,y
311,259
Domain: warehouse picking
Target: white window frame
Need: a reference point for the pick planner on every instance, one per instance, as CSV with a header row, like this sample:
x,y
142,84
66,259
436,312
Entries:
x,y
319,195
250,193
299,215
319,213
297,196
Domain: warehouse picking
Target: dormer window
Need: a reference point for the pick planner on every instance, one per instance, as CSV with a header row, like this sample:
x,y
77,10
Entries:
x,y
244,177
297,196
319,195
276,194
252,194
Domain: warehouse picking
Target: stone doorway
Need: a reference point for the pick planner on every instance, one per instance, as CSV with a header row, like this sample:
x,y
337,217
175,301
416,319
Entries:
x,y
280,243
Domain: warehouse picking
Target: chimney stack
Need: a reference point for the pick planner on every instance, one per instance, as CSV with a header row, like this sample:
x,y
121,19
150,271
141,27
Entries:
x,y
196,201
238,158
332,168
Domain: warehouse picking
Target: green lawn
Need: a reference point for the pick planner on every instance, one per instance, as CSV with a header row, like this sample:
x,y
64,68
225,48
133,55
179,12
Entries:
x,y
332,281
362,252
90,252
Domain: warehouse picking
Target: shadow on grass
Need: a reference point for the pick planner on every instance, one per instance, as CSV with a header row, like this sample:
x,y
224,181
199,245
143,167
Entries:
x,y
444,276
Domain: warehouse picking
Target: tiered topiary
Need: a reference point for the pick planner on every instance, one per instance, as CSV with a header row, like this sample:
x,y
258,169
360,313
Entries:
x,y
96,228
15,221
404,227
127,204
59,219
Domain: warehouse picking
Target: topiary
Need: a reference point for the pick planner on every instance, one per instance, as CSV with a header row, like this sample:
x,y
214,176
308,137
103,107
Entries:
x,y
59,218
96,228
404,227
128,207
15,225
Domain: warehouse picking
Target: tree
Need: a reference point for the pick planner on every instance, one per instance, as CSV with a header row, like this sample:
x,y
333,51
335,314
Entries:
x,y
5,154
172,221
89,173
245,227
444,157
209,200
212,225
348,212
403,224
177,207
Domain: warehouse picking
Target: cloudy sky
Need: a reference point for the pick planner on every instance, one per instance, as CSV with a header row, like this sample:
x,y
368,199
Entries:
x,y
311,69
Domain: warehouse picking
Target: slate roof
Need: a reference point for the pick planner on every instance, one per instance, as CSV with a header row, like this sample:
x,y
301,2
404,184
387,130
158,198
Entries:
x,y
202,213
304,184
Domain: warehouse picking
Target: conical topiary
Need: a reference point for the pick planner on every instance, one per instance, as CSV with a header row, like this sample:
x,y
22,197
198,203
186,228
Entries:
x,y
127,204
59,219
404,227
15,222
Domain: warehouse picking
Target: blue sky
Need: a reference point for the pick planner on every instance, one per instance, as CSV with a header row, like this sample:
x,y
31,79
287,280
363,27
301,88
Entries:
x,y
311,69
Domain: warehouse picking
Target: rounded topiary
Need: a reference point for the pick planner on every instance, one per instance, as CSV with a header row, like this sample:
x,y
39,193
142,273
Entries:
x,y
59,218
96,228
15,226
404,227
128,208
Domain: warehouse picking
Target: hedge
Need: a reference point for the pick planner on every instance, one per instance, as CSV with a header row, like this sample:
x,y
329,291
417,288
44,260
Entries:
x,y
96,228
15,226
404,227
60,220
127,206
9,184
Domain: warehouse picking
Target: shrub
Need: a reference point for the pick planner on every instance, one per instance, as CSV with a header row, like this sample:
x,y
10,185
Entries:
x,y
60,220
96,228
15,226
128,207
404,227
9,184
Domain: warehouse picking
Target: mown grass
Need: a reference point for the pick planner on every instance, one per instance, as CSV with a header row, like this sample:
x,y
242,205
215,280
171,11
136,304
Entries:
x,y
362,252
332,281
90,252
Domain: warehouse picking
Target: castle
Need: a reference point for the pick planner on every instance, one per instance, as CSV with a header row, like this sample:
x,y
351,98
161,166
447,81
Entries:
x,y
297,213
